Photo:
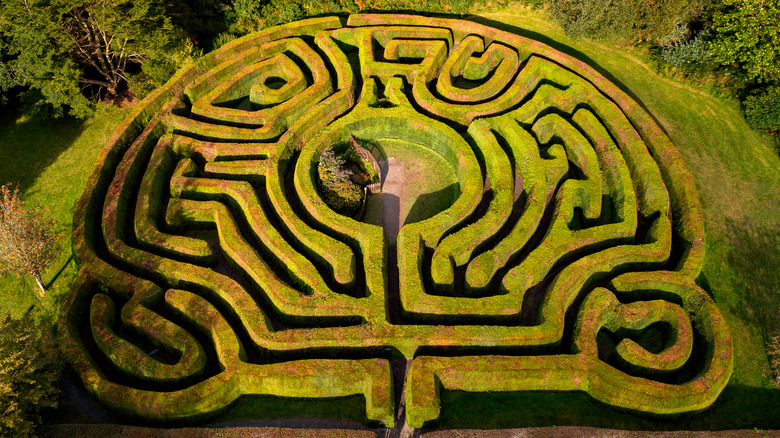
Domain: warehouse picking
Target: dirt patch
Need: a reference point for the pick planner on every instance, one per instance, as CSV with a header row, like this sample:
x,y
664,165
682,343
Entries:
x,y
393,197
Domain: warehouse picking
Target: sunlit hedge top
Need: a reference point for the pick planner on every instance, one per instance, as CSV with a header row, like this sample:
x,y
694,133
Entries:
x,y
211,268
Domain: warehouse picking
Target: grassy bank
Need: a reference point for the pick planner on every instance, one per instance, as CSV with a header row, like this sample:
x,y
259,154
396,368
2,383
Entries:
x,y
50,160
419,184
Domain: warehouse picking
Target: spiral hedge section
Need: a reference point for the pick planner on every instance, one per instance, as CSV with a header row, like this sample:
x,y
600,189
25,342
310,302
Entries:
x,y
210,268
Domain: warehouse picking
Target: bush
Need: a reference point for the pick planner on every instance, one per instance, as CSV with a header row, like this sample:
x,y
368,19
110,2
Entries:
x,y
282,11
27,377
689,52
620,20
336,186
141,84
762,108
222,39
160,65
748,38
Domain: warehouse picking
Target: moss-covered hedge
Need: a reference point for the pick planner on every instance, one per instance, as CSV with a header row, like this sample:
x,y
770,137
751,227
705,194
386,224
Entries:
x,y
211,267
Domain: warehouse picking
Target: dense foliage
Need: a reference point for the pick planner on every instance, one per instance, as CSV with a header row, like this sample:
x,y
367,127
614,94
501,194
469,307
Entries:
x,y
64,51
336,183
747,42
681,49
27,377
748,37
762,109
626,20
249,15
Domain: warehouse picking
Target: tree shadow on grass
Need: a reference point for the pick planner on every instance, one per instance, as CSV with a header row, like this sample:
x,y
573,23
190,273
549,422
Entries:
x,y
57,275
28,145
753,257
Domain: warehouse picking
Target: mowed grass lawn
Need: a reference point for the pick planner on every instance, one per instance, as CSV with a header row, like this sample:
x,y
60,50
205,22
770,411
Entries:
x,y
735,169
427,184
50,161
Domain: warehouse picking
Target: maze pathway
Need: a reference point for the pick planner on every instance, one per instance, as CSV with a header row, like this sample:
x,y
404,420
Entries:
x,y
210,268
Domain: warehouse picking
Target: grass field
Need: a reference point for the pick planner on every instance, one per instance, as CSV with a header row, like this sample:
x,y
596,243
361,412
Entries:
x,y
735,169
419,185
50,161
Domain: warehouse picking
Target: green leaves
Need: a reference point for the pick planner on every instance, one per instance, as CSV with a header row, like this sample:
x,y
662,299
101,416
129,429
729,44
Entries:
x,y
762,109
336,184
34,56
26,377
748,38
65,51
620,20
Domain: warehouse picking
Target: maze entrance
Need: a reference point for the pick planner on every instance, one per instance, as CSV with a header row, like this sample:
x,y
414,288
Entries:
x,y
565,259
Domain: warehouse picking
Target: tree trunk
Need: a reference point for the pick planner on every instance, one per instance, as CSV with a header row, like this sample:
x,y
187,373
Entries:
x,y
37,276
111,89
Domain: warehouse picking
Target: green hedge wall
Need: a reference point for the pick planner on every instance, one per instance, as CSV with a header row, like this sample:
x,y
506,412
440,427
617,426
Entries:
x,y
211,268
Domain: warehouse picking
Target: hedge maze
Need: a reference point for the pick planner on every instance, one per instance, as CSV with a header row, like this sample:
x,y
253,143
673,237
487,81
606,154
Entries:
x,y
210,268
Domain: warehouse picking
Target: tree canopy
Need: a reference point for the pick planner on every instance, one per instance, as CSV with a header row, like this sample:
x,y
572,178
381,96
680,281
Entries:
x,y
65,50
27,377
748,37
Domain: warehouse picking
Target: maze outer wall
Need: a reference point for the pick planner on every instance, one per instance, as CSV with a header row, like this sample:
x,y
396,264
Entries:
x,y
210,267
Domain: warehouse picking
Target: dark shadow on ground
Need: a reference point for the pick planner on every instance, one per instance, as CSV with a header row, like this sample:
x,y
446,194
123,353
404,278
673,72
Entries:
x,y
265,411
27,148
57,275
738,407
430,204
391,216
384,210
752,254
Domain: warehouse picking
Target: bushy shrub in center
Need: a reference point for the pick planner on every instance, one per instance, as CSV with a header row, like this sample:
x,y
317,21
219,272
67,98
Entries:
x,y
342,177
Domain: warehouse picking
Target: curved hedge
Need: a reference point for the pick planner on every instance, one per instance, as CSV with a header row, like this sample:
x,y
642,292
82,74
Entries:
x,y
210,268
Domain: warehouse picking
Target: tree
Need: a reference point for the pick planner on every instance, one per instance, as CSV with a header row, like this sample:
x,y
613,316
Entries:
x,y
61,48
623,21
762,109
34,55
29,240
27,377
748,37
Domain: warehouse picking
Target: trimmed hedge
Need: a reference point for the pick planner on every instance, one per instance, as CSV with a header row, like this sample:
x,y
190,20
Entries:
x,y
497,65
457,248
131,359
583,371
201,234
530,171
